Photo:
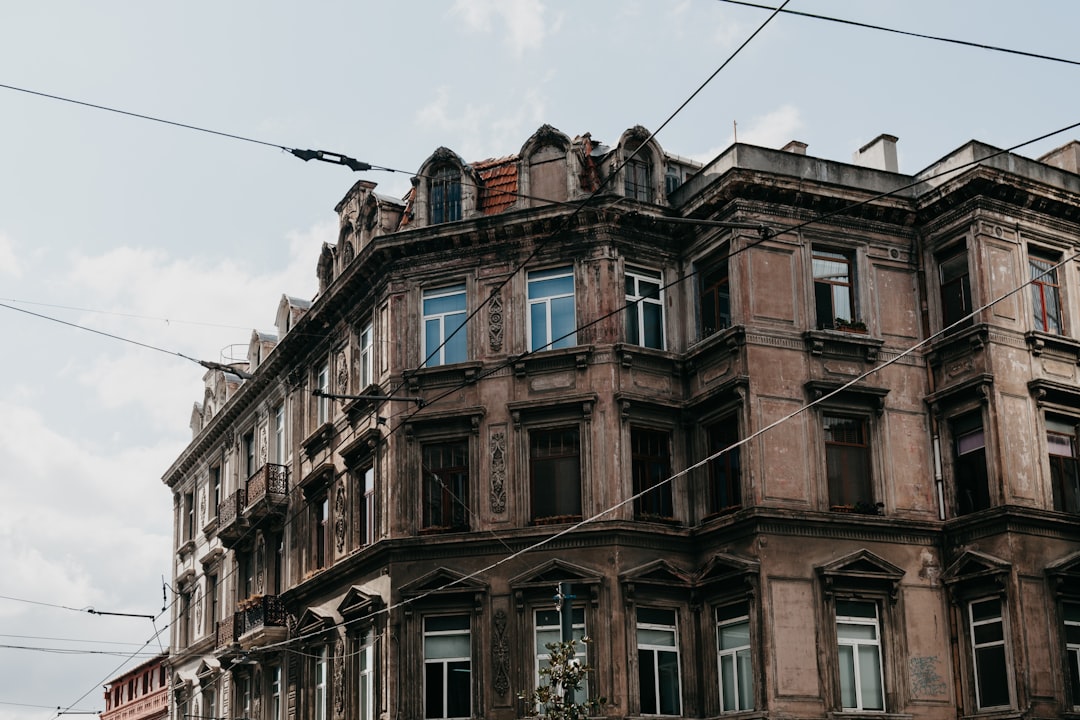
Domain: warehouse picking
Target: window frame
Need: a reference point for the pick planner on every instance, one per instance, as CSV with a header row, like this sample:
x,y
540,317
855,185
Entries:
x,y
956,284
447,340
867,484
651,472
824,282
445,662
974,646
962,427
638,302
720,433
638,183
1059,465
320,531
281,450
365,352
1045,281
320,683
366,702
737,670
322,403
713,294
857,645
453,481
550,341
533,460
655,649
444,194
581,650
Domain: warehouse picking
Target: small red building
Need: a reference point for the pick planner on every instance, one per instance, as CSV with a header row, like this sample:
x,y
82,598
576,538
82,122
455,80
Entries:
x,y
139,694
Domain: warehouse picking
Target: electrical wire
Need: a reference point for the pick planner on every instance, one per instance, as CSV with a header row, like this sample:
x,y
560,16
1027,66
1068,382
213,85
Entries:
x,y
868,26
167,321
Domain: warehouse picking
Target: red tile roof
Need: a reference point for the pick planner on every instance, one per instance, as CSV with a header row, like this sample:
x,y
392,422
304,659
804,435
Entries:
x,y
499,177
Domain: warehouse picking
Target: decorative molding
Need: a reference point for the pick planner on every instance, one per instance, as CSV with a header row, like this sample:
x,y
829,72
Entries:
x,y
500,654
497,445
342,372
339,679
339,517
495,321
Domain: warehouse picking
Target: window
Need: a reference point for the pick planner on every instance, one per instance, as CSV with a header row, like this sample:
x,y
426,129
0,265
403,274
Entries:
x,y
858,634
1071,615
447,667
322,404
321,540
715,299
446,485
281,453
834,296
212,608
987,628
367,362
367,505
969,443
248,443
1045,297
955,288
658,662
276,704
444,316
724,474
638,184
644,308
733,653
650,460
366,676
215,490
847,462
209,702
549,630
320,684
551,309
189,516
243,696
1061,446
445,195
555,464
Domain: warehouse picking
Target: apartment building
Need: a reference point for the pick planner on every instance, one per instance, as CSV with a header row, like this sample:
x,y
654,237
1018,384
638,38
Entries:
x,y
141,693
801,433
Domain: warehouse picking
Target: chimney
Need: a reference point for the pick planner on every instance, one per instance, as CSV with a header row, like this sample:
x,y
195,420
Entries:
x,y
799,148
1066,157
879,154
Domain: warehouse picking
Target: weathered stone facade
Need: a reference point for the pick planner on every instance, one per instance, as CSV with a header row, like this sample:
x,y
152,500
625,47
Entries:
x,y
895,532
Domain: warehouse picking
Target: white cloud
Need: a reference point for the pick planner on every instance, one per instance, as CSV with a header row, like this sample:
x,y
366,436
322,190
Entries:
x,y
774,130
9,264
525,28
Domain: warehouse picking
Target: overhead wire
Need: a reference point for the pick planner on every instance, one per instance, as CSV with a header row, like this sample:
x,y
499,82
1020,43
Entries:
x,y
908,33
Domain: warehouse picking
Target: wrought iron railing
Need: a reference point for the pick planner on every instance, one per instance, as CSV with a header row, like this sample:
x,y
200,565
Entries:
x,y
231,508
226,632
271,480
264,611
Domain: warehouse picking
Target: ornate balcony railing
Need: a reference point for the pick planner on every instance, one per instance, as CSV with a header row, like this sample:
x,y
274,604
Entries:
x,y
269,487
231,523
260,612
226,632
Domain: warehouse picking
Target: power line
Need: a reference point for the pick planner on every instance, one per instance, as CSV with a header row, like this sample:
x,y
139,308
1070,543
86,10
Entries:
x,y
908,33
166,320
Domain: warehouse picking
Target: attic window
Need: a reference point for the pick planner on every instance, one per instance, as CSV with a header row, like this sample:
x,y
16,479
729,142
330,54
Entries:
x,y
638,184
445,197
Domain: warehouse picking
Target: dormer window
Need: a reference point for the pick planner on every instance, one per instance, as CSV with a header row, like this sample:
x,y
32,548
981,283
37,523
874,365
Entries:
x,y
638,184
445,195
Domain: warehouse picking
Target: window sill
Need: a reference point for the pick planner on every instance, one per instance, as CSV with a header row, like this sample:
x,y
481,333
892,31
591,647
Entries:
x,y
553,360
868,714
843,344
319,439
441,530
186,548
556,520
1052,344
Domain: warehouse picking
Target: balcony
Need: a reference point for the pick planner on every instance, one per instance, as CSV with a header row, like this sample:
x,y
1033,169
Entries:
x,y
226,633
267,494
261,619
231,522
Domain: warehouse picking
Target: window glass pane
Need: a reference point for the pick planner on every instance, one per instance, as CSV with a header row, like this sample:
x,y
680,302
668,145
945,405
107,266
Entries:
x,y
433,690
632,323
438,623
656,637
746,681
1072,612
986,609
653,316
656,616
991,632
856,608
444,300
870,678
562,321
727,682
992,676
458,686
668,668
734,635
647,682
856,632
454,350
538,325
847,676
542,288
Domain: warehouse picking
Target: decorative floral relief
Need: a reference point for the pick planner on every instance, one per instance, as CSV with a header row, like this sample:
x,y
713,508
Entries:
x,y
498,471
339,522
495,322
500,653
342,372
339,678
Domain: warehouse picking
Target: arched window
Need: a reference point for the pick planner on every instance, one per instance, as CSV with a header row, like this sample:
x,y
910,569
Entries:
x,y
445,196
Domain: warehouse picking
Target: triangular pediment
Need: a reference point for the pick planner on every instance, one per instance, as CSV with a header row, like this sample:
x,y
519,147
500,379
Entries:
x,y
314,621
357,603
657,572
552,573
723,566
862,564
974,564
442,581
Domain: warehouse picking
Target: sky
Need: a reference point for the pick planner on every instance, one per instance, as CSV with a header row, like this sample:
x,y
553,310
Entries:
x,y
185,241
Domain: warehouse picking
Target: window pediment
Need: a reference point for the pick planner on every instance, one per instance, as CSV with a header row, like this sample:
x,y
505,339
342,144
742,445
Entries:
x,y
553,572
442,582
861,570
864,395
724,567
357,603
975,573
657,573
314,621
